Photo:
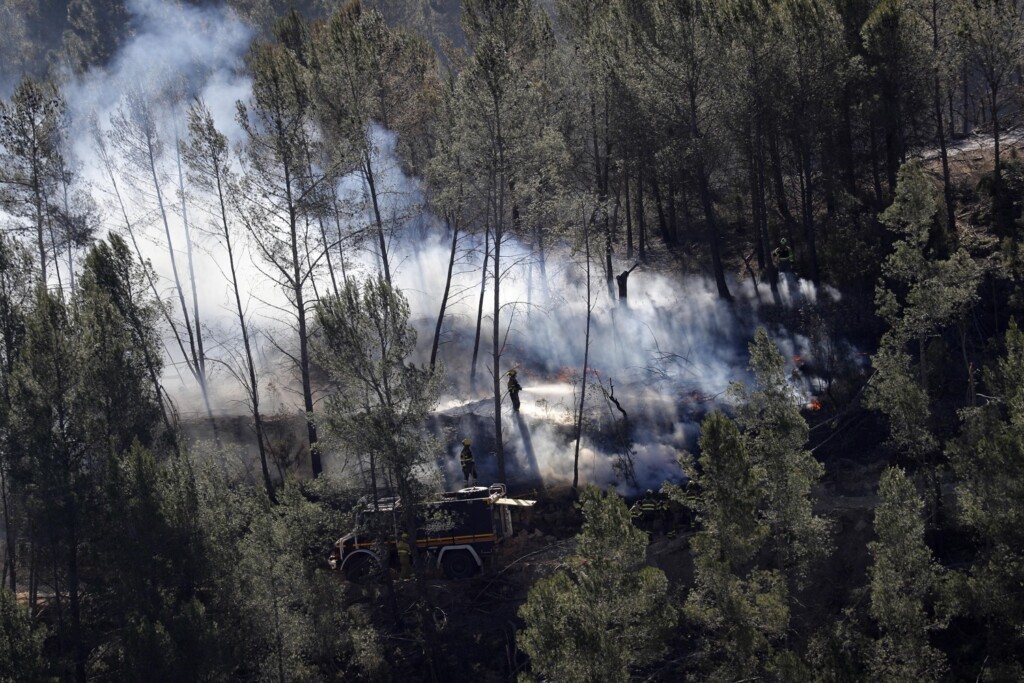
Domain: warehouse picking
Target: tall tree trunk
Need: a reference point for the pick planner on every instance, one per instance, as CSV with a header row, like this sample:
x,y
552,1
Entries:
x,y
629,219
74,596
876,174
713,239
779,185
808,211
641,220
150,363
707,201
253,390
10,535
966,101
666,237
496,341
200,359
947,183
327,253
447,289
846,145
381,238
586,360
64,180
297,283
37,192
673,224
192,358
997,171
480,304
601,180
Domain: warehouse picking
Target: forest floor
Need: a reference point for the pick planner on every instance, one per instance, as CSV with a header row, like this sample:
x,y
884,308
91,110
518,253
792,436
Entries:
x,y
971,156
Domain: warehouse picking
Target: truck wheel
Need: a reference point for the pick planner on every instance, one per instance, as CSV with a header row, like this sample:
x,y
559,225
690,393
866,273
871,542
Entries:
x,y
362,569
458,564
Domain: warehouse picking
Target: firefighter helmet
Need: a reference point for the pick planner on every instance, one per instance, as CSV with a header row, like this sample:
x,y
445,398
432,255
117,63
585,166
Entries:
x,y
465,442
512,372
783,241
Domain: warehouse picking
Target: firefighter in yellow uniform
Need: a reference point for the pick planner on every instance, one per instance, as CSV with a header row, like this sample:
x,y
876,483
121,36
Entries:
x,y
783,256
514,389
648,511
467,462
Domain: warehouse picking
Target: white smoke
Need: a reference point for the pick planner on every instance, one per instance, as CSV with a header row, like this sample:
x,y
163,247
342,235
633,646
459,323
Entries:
x,y
671,351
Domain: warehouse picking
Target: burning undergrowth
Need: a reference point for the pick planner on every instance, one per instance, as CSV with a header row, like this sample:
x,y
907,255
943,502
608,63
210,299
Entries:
x,y
658,363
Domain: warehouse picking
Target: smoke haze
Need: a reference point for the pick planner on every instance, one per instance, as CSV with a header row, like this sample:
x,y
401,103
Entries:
x,y
671,351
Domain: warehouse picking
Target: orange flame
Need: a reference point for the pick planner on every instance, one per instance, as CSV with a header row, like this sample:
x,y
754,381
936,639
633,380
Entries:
x,y
814,405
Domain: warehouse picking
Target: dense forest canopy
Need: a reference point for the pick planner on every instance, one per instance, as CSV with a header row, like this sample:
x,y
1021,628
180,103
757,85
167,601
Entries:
x,y
263,262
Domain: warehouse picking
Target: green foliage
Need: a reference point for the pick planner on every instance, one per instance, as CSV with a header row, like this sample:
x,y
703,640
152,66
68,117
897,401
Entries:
x,y
119,354
926,291
921,293
988,460
94,33
31,131
21,643
903,580
369,72
731,493
272,608
775,433
287,604
364,342
759,535
84,406
607,612
741,610
836,651
895,391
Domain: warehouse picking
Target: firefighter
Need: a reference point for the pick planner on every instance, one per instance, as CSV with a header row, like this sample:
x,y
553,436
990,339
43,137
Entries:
x,y
647,511
468,465
783,256
404,557
514,389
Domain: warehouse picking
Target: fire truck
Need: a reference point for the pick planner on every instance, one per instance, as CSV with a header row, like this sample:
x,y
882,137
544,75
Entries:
x,y
457,531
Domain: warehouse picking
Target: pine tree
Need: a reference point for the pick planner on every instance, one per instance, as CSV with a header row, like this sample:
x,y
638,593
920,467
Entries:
x,y
776,435
903,580
53,469
30,135
136,133
21,642
988,460
992,34
927,285
376,417
16,274
277,211
499,116
606,613
206,154
83,399
741,609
